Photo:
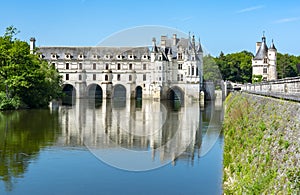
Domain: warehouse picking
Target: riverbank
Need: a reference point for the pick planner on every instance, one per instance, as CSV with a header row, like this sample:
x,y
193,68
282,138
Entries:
x,y
262,145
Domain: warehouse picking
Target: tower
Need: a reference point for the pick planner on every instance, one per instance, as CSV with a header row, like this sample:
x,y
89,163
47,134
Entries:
x,y
272,53
264,62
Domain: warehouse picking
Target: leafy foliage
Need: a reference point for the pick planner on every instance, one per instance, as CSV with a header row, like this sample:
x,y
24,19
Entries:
x,y
236,67
211,70
25,75
287,65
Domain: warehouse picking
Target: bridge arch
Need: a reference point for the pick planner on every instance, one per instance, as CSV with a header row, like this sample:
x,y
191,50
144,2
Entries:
x,y
69,94
175,93
94,91
119,92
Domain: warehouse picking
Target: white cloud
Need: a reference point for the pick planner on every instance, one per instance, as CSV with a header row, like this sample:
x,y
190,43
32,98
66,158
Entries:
x,y
249,9
285,20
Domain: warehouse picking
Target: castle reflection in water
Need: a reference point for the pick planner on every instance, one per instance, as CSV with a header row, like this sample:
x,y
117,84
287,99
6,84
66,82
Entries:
x,y
167,130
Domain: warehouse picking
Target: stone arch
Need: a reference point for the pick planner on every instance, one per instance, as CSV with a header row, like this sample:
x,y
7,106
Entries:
x,y
176,94
94,91
70,94
138,92
119,92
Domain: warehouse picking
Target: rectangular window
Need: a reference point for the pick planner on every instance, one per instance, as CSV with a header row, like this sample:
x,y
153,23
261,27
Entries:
x,y
130,66
179,66
144,77
265,70
197,71
79,77
67,66
67,77
94,77
94,66
119,66
178,77
130,78
193,70
144,66
80,66
179,56
181,77
265,60
106,66
118,77
159,78
106,77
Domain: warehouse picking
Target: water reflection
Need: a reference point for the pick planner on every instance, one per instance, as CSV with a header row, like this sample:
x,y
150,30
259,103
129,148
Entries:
x,y
153,133
22,135
159,132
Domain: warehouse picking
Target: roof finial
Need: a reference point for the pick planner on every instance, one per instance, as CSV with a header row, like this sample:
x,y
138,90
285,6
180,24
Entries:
x,y
263,37
199,47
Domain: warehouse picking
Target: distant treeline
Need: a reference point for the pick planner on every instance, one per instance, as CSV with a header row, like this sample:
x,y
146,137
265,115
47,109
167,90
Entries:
x,y
237,67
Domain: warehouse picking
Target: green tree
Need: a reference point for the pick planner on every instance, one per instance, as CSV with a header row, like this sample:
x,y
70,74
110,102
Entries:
x,y
24,75
211,70
287,65
236,67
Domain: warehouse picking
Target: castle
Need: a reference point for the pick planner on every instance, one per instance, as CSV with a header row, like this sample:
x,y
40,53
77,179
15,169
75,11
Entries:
x,y
172,69
264,62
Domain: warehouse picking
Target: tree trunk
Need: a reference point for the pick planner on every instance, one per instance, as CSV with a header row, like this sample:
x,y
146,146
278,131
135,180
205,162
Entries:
x,y
6,91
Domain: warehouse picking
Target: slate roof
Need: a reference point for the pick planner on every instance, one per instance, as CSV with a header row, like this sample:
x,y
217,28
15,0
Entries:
x,y
262,51
89,52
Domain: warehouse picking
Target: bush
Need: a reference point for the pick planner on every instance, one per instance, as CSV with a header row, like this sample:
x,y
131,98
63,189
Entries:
x,y
9,103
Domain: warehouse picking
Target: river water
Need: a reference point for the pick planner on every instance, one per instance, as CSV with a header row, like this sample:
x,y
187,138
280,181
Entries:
x,y
112,147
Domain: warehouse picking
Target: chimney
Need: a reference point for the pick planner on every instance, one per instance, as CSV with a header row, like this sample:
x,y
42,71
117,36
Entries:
x,y
32,45
258,44
174,39
163,41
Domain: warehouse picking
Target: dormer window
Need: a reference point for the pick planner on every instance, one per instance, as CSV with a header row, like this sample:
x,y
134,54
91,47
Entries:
x,y
95,56
53,56
41,56
130,57
107,56
145,56
265,60
119,57
80,56
67,56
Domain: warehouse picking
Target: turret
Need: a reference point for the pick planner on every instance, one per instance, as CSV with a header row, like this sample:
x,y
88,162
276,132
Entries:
x,y
154,50
272,53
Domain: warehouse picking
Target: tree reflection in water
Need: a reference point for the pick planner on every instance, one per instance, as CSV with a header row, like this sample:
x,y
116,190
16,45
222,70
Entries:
x,y
22,135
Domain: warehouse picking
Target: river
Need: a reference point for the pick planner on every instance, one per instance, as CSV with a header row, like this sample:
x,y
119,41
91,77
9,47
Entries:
x,y
112,147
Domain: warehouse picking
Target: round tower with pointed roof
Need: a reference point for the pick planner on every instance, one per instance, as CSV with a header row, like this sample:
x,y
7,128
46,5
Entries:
x,y
264,61
272,55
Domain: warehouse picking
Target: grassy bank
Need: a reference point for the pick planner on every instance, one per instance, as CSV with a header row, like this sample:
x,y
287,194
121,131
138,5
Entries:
x,y
262,145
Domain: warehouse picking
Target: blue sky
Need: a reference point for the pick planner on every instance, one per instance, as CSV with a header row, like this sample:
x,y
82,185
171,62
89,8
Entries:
x,y
228,26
